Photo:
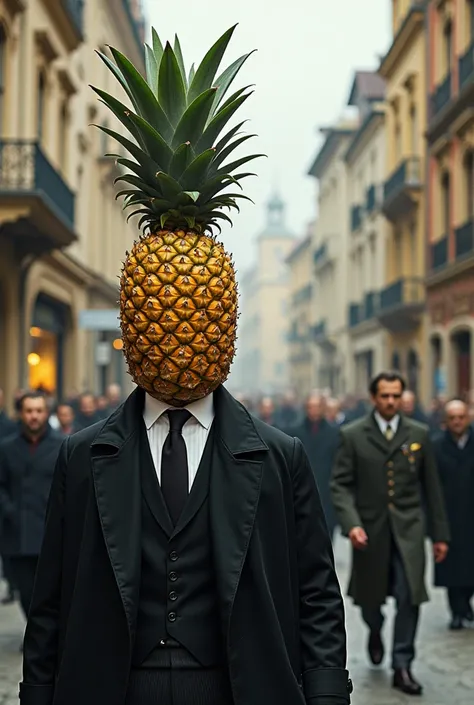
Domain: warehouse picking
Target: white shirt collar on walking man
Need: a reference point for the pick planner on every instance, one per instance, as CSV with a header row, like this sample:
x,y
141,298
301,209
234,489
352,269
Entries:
x,y
383,423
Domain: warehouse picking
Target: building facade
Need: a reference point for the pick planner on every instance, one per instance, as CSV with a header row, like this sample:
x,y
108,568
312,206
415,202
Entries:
x,y
62,234
450,196
300,355
402,301
331,353
261,365
365,163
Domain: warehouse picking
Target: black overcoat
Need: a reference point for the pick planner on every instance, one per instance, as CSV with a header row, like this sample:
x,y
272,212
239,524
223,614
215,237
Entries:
x,y
280,603
25,483
321,447
380,486
456,469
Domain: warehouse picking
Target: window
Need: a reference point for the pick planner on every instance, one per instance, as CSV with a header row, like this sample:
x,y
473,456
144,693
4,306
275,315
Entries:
x,y
3,54
398,142
445,202
41,99
63,133
413,130
448,47
469,185
398,253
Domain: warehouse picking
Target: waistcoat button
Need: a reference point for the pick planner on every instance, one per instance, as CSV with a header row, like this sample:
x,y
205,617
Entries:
x,y
172,616
173,556
173,576
173,596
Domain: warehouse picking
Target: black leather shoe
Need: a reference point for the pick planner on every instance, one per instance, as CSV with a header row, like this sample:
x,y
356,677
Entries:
x,y
456,623
404,681
376,648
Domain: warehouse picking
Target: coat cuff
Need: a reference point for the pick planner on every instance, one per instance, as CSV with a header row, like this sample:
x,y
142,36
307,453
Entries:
x,y
321,685
36,694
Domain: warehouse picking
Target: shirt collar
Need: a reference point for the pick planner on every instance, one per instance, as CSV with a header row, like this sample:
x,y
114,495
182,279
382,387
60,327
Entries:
x,y
383,423
202,410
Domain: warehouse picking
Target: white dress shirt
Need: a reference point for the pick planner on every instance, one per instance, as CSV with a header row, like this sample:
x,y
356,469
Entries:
x,y
383,423
195,431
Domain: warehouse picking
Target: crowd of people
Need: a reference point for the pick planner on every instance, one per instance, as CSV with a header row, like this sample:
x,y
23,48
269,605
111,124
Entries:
x,y
389,475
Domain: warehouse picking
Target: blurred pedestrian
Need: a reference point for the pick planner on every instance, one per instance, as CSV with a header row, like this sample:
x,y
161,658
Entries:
x,y
27,461
65,416
454,452
266,411
287,414
320,441
383,466
87,414
332,411
411,409
7,426
102,406
114,397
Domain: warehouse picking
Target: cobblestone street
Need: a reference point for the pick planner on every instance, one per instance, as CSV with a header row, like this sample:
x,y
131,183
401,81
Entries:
x,y
444,663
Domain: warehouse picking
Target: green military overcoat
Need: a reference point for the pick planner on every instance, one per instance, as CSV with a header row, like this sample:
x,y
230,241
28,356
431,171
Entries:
x,y
381,485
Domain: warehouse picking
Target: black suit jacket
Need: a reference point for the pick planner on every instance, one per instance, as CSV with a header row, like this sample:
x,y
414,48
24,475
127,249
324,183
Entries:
x,y
279,599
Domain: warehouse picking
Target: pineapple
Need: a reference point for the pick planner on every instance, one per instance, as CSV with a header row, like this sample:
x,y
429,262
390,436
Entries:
x,y
178,293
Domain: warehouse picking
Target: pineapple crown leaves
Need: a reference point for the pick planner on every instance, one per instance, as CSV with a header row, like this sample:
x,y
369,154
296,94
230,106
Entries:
x,y
180,167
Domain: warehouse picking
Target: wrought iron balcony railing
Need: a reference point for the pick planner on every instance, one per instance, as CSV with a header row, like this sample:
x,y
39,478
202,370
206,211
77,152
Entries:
x,y
439,253
441,96
466,67
24,169
406,175
464,239
403,292
371,200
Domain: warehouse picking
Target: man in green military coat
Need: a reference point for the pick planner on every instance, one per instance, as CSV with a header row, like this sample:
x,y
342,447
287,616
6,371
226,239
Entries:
x,y
383,469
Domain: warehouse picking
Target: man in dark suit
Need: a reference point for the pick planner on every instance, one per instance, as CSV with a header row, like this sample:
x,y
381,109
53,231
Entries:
x,y
27,461
383,467
320,441
186,561
454,451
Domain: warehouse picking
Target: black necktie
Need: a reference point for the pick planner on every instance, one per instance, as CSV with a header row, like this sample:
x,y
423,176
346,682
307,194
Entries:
x,y
174,465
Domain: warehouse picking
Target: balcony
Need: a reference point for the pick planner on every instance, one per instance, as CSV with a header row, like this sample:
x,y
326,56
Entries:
x,y
356,218
466,67
37,204
69,17
401,304
439,254
464,240
402,190
441,96
364,311
325,253
371,199
320,254
302,295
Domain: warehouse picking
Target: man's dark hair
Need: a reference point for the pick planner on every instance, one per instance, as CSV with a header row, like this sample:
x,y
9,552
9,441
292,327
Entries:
x,y
390,376
32,394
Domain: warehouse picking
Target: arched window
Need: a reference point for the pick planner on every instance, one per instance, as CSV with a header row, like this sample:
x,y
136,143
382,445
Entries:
x,y
40,106
446,202
3,56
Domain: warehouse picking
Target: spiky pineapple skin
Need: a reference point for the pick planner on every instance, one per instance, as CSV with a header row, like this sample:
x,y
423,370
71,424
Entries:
x,y
178,314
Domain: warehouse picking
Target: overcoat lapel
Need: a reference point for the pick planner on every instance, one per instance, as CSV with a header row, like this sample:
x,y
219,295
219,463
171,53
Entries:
x,y
375,436
151,489
115,467
236,480
400,438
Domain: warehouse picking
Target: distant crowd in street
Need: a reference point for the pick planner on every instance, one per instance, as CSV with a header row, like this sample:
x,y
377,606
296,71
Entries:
x,y
390,475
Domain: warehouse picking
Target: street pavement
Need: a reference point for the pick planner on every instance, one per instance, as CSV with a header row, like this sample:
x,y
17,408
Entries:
x,y
444,664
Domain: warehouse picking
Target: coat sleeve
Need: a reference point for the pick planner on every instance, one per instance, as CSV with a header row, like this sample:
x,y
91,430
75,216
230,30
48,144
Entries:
x,y
342,486
40,649
322,628
437,517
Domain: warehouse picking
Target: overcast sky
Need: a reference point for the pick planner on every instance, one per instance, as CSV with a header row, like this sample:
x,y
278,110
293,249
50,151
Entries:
x,y
303,69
